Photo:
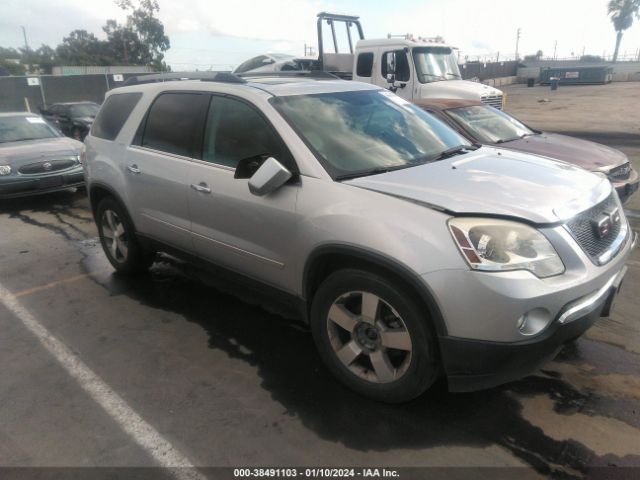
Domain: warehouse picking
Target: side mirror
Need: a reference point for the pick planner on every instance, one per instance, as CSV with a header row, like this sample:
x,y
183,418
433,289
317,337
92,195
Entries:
x,y
269,176
391,67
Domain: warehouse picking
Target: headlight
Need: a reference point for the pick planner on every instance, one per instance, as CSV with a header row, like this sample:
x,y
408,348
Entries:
x,y
5,169
500,245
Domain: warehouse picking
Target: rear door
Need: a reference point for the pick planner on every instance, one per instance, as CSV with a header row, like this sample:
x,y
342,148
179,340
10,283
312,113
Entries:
x,y
231,227
157,166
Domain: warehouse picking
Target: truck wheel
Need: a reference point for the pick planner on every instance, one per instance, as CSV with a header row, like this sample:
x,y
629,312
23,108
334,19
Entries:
x,y
118,239
373,336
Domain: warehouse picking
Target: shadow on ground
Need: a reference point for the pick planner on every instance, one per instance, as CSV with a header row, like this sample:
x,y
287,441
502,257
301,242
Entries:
x,y
282,351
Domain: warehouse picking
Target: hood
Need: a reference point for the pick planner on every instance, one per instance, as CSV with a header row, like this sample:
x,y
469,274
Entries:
x,y
586,154
17,154
493,181
456,89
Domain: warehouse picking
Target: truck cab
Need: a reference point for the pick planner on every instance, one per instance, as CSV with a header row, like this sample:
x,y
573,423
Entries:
x,y
412,67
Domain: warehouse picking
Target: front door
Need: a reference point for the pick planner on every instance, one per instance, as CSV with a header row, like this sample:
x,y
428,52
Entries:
x,y
230,226
157,167
404,76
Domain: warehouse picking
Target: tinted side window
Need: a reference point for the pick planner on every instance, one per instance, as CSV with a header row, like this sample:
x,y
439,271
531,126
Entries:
x,y
113,114
365,64
402,66
172,123
235,131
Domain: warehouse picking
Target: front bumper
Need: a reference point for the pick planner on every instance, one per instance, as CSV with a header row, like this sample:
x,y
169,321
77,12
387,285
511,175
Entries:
x,y
12,187
475,365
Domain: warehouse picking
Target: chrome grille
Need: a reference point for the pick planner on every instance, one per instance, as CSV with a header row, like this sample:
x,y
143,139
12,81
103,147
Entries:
x,y
48,166
585,232
494,101
621,172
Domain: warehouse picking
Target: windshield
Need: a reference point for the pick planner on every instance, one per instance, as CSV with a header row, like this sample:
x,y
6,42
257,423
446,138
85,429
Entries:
x,y
489,125
357,132
18,128
435,64
85,110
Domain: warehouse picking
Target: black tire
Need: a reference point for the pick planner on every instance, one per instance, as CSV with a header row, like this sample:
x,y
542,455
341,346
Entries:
x,y
135,259
420,370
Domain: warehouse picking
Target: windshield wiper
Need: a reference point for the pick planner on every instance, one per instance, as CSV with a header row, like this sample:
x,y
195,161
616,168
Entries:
x,y
455,75
439,77
373,171
450,152
505,140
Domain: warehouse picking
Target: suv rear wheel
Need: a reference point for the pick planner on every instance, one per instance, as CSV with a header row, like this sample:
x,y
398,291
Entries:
x,y
373,336
118,239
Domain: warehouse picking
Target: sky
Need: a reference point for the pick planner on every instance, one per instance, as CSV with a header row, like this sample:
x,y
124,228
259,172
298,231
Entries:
x,y
218,35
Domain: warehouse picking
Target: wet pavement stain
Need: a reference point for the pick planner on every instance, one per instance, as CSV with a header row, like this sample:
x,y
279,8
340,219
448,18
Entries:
x,y
283,353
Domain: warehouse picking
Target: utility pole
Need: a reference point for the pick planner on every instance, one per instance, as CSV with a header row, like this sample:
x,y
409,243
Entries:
x,y
517,43
555,49
26,48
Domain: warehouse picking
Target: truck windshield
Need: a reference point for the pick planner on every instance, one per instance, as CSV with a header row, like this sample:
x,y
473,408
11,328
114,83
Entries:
x,y
434,64
366,132
23,127
489,125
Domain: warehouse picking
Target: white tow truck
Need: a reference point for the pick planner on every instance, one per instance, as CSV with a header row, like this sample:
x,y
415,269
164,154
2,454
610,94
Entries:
x,y
412,67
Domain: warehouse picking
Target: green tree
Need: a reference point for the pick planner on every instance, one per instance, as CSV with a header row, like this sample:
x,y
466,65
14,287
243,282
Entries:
x,y
141,40
83,48
622,13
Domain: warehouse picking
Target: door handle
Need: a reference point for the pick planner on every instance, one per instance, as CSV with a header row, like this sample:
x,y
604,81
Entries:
x,y
201,187
133,168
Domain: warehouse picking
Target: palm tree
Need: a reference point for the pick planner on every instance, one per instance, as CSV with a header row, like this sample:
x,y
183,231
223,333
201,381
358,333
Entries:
x,y
622,13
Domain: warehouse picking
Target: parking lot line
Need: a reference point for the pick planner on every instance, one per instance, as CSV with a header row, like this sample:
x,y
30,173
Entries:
x,y
47,286
147,437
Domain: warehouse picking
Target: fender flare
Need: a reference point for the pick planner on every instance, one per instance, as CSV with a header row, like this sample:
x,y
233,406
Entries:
x,y
376,258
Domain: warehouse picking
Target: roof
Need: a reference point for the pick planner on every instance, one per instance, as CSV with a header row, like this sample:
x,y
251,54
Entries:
x,y
274,85
83,102
406,42
305,86
445,103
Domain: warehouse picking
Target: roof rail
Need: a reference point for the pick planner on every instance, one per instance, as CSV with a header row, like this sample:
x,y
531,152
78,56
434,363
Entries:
x,y
224,77
316,74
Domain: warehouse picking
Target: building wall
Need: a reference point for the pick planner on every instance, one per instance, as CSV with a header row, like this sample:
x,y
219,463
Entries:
x,y
622,71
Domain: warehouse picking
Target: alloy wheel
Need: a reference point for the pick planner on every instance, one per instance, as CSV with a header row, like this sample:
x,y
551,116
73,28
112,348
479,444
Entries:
x,y
369,337
115,236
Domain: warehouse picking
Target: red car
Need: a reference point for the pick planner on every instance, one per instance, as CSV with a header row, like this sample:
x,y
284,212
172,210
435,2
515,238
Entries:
x,y
483,124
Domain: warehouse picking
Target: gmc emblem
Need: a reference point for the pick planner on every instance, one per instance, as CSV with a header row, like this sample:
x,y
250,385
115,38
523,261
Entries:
x,y
603,225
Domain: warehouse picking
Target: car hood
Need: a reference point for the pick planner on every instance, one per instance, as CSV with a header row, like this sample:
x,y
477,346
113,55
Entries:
x,y
586,154
17,154
493,181
456,89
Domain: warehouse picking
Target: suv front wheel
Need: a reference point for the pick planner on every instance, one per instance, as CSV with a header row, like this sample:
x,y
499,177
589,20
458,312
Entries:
x,y
373,336
118,239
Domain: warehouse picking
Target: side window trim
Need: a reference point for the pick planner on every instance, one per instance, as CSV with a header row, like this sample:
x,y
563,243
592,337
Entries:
x,y
294,166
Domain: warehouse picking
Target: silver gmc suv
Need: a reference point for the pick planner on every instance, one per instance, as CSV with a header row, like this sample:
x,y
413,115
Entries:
x,y
412,253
